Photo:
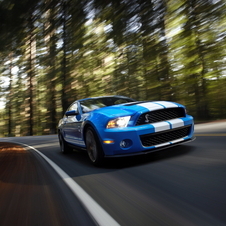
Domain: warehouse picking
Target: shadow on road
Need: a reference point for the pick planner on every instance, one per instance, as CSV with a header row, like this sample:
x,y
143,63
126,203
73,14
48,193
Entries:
x,y
81,158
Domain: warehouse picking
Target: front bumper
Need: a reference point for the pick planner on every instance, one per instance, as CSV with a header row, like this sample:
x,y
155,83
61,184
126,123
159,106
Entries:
x,y
150,150
127,141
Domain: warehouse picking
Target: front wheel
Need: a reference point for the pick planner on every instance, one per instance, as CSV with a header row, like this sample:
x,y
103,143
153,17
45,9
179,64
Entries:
x,y
93,147
63,145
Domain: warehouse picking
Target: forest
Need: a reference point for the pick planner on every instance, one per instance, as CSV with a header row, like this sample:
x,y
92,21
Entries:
x,y
53,52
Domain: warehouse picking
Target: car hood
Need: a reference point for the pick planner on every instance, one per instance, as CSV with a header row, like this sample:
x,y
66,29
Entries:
x,y
134,107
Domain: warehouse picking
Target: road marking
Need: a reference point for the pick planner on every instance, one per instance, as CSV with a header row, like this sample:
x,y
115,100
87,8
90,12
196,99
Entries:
x,y
100,216
46,145
211,135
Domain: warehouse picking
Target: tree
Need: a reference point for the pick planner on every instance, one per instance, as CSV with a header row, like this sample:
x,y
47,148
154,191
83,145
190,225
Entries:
x,y
51,60
69,49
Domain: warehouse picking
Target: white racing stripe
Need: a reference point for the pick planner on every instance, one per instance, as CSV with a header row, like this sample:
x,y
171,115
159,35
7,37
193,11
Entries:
x,y
101,217
160,126
176,141
161,145
167,104
176,123
151,106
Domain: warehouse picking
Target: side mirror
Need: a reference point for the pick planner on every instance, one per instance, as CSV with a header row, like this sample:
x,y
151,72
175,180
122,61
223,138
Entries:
x,y
71,113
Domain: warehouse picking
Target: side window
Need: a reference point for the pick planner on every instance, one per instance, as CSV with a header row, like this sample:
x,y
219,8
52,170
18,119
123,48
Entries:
x,y
74,106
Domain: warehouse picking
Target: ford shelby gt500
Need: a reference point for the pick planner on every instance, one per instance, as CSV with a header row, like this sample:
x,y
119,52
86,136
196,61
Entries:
x,y
112,126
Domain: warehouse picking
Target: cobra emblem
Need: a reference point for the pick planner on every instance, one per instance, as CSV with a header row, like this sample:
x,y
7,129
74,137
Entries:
x,y
146,118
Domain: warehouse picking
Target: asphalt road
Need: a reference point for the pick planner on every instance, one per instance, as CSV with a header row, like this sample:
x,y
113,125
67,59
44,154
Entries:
x,y
184,185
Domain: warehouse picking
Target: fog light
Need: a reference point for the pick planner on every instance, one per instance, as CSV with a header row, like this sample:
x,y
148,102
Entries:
x,y
125,143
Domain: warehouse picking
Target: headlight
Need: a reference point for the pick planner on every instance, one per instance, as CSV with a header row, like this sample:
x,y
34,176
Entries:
x,y
118,122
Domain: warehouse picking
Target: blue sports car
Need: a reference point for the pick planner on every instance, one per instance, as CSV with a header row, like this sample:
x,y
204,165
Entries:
x,y
112,126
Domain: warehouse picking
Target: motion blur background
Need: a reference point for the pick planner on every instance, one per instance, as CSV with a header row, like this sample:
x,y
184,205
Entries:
x,y
53,52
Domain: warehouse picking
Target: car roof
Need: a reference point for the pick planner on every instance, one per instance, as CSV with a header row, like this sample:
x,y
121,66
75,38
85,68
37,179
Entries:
x,y
92,98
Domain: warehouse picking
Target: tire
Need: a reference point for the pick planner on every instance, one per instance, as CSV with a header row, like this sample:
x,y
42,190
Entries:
x,y
65,149
93,147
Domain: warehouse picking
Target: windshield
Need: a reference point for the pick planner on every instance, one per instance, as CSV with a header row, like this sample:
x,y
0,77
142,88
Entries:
x,y
95,103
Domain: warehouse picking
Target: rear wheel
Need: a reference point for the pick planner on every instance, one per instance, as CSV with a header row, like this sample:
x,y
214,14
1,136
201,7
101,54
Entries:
x,y
63,145
93,147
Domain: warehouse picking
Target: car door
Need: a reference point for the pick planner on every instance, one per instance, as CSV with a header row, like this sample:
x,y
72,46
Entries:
x,y
72,125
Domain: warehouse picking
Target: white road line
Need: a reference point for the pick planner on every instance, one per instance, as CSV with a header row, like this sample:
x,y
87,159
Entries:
x,y
46,145
100,216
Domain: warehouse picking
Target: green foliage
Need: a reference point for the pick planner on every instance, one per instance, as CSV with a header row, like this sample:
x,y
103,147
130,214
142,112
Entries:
x,y
54,52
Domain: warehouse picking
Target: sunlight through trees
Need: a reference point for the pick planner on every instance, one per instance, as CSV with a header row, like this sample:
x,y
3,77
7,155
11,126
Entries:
x,y
53,52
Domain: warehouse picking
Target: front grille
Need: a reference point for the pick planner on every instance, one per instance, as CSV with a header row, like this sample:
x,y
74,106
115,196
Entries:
x,y
160,115
153,139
